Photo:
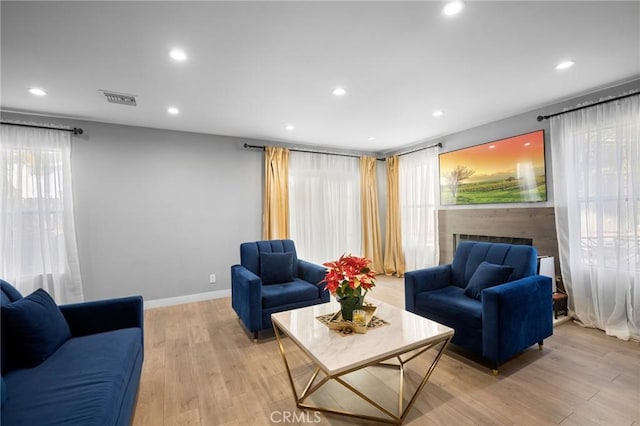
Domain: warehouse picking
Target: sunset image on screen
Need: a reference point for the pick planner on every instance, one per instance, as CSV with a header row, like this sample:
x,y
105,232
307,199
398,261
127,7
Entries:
x,y
505,171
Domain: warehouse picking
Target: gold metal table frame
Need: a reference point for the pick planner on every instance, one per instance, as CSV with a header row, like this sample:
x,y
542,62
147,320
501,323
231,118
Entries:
x,y
390,417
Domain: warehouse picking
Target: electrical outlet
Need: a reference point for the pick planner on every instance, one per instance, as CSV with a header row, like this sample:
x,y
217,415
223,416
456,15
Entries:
x,y
212,279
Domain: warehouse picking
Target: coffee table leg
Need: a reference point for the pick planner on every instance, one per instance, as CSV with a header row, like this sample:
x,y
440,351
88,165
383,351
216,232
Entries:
x,y
401,387
424,380
286,363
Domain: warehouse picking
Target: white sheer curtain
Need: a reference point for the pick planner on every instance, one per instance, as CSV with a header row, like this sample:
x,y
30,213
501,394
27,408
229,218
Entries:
x,y
596,181
37,228
419,188
324,206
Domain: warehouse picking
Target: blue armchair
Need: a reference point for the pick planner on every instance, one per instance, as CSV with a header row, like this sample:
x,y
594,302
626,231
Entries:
x,y
490,295
272,279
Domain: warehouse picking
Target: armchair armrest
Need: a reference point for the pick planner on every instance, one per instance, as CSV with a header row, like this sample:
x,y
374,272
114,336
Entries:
x,y
516,315
424,280
104,315
246,296
313,273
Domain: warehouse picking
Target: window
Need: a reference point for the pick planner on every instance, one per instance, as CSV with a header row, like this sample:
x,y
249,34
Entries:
x,y
596,182
37,229
324,206
419,186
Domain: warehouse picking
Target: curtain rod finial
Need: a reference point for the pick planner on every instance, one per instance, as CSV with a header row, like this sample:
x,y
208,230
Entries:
x,y
540,118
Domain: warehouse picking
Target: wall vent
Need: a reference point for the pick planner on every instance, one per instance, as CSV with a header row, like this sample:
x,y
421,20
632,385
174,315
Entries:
x,y
119,98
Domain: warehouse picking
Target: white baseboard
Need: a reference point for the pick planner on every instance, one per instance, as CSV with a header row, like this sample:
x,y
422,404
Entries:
x,y
198,297
561,320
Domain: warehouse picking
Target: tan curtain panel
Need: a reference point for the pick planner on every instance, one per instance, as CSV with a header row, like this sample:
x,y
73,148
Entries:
x,y
393,257
275,212
371,239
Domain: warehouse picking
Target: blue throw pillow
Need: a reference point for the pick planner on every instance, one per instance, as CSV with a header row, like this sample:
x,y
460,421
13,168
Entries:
x,y
276,268
34,328
487,275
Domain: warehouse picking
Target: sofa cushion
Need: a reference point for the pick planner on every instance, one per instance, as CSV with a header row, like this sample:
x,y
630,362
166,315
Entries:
x,y
276,268
487,275
34,328
8,294
287,293
82,383
451,307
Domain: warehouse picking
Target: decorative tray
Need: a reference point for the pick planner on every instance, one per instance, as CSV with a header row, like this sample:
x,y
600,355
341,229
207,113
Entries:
x,y
337,323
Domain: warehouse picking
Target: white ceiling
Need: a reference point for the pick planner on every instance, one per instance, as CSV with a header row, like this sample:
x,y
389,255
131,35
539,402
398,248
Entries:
x,y
254,67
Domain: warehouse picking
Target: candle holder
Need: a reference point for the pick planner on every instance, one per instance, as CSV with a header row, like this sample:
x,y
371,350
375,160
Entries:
x,y
359,316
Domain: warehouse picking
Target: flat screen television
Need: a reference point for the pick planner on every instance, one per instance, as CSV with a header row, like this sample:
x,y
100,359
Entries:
x,y
510,170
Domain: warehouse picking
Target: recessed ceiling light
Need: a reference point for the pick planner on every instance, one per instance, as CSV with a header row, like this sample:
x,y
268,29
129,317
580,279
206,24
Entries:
x,y
289,127
173,110
371,138
438,113
453,8
37,91
339,91
178,55
565,64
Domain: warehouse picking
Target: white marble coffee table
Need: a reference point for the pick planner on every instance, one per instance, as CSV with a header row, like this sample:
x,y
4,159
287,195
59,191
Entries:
x,y
342,358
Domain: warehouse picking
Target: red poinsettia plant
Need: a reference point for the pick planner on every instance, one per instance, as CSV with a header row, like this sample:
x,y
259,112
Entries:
x,y
349,276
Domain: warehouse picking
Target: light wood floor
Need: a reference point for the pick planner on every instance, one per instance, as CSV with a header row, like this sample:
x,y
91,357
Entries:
x,y
201,368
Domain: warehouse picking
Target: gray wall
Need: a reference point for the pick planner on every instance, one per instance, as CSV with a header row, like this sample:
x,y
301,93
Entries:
x,y
158,211
524,123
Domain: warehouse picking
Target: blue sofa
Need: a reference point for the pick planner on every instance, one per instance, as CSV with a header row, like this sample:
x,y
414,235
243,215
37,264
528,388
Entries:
x,y
76,364
490,295
270,278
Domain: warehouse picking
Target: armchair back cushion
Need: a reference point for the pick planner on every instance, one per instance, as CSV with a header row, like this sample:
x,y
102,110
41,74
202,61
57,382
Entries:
x,y
250,254
487,275
469,255
276,268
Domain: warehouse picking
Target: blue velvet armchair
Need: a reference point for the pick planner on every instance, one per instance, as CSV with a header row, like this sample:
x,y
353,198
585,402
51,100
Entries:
x,y
271,278
490,295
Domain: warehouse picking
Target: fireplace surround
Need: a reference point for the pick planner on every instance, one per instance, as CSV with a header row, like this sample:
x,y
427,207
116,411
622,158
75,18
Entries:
x,y
530,225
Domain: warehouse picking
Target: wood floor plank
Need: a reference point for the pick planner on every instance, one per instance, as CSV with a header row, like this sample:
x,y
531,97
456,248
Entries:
x,y
150,405
185,418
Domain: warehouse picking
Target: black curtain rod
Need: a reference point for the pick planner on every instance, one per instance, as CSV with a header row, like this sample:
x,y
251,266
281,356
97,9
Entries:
x,y
546,117
75,130
262,147
439,145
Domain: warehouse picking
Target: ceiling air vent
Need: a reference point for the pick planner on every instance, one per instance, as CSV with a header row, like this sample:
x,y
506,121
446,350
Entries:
x,y
119,98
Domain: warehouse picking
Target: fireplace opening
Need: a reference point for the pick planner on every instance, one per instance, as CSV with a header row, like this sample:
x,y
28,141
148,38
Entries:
x,y
457,238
